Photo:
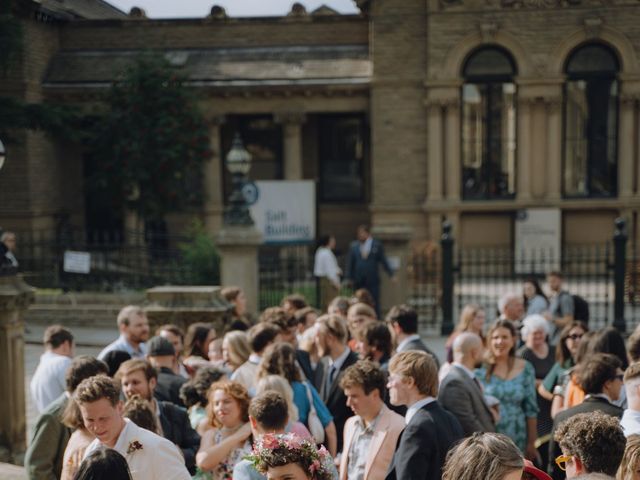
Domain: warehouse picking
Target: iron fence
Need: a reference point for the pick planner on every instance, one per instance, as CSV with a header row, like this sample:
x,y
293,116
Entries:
x,y
117,260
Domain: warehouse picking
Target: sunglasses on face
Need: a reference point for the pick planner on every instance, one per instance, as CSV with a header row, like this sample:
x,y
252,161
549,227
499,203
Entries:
x,y
575,336
562,460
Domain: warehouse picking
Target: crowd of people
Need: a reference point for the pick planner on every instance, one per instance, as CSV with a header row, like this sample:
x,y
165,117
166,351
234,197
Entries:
x,y
344,394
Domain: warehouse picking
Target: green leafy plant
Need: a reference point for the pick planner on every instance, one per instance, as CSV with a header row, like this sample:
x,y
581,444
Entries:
x,y
149,145
200,257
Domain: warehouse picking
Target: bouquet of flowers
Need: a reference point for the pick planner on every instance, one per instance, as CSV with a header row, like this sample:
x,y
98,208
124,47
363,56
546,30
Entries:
x,y
277,450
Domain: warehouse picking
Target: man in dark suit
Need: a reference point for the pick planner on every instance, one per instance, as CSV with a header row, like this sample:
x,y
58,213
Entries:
x,y
460,392
138,377
162,356
331,340
365,254
404,321
601,379
431,431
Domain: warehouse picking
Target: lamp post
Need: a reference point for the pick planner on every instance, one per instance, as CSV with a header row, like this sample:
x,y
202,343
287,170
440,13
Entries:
x,y
3,155
238,163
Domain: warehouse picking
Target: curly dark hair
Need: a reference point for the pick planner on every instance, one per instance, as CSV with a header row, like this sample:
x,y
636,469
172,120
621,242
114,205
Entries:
x,y
365,374
194,392
595,438
280,359
138,410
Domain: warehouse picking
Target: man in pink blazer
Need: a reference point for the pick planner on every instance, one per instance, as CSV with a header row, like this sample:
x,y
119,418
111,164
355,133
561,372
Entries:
x,y
370,437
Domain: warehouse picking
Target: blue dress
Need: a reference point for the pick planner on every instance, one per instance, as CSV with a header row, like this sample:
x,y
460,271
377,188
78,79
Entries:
x,y
517,402
301,400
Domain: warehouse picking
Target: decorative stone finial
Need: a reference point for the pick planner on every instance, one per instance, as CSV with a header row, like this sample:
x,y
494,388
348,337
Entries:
x,y
297,10
218,12
137,12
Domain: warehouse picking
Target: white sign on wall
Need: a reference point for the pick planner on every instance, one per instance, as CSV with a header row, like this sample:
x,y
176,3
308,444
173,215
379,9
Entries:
x,y
284,210
77,262
538,240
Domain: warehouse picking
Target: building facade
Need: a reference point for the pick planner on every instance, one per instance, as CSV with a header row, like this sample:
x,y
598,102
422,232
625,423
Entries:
x,y
412,112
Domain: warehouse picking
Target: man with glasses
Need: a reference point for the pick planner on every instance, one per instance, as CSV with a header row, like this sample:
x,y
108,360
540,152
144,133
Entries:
x,y
591,443
601,379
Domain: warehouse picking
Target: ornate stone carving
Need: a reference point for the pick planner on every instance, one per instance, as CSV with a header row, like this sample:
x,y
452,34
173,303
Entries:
x,y
488,32
593,26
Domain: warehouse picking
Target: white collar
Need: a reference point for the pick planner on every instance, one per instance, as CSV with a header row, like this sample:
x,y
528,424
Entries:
x,y
121,444
413,409
255,358
404,342
599,395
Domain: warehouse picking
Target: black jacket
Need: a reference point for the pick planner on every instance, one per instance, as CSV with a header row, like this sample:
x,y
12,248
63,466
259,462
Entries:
x,y
177,428
423,445
334,397
168,388
590,404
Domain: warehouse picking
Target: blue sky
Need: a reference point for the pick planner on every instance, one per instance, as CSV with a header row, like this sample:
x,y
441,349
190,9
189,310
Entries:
x,y
234,8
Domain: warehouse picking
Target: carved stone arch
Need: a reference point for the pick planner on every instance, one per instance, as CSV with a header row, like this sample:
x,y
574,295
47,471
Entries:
x,y
606,35
454,61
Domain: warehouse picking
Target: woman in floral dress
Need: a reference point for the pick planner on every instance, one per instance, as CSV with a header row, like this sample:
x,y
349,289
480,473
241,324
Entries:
x,y
512,381
224,445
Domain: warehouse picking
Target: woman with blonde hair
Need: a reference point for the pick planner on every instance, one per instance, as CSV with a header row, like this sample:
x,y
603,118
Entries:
x,y
471,320
630,465
280,385
489,456
228,441
235,349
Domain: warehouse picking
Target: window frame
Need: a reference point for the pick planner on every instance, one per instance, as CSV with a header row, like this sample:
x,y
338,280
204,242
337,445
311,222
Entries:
x,y
574,77
488,80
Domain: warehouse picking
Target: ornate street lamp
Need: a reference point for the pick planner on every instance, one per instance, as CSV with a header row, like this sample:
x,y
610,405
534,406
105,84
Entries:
x,y
238,162
2,155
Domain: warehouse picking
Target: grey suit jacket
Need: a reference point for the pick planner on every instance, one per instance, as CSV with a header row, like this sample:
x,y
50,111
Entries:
x,y
460,395
417,344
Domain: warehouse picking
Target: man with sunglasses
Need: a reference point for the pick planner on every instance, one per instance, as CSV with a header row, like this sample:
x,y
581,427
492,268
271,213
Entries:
x,y
591,443
601,379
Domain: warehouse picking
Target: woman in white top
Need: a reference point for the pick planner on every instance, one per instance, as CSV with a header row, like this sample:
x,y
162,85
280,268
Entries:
x,y
327,270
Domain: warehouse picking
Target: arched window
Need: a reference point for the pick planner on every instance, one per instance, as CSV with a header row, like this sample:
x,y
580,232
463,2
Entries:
x,y
488,125
591,123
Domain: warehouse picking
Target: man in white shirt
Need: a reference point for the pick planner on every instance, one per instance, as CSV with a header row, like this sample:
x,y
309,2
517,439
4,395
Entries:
x,y
431,431
48,381
327,270
149,456
631,417
134,331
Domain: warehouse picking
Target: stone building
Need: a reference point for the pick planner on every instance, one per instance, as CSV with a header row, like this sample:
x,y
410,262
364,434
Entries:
x,y
408,113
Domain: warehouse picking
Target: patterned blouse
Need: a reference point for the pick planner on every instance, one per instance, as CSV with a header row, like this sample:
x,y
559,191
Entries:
x,y
224,470
517,401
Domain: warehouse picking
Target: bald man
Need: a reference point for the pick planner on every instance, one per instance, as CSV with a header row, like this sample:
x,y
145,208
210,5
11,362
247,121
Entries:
x,y
460,393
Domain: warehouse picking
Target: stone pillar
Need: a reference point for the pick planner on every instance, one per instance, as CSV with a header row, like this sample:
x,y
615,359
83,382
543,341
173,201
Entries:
x,y
523,175
626,147
292,126
395,239
238,247
435,150
554,149
452,146
212,177
537,170
15,298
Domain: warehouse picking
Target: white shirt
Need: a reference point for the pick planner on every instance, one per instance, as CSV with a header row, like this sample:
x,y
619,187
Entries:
x,y
149,456
122,344
365,247
326,265
413,409
48,382
630,422
404,342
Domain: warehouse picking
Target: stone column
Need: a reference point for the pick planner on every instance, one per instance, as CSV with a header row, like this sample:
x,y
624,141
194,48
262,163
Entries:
x,y
626,147
395,239
435,150
212,178
523,174
292,126
554,149
537,169
238,247
15,298
452,149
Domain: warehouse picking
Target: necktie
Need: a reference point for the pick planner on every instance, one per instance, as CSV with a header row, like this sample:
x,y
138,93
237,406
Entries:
x,y
332,372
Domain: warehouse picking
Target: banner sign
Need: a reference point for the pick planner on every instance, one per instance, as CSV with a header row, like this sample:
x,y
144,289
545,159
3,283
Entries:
x,y
283,210
538,240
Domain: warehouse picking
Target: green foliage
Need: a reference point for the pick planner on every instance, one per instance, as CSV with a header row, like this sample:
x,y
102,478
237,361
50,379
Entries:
x,y
149,147
200,257
60,121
